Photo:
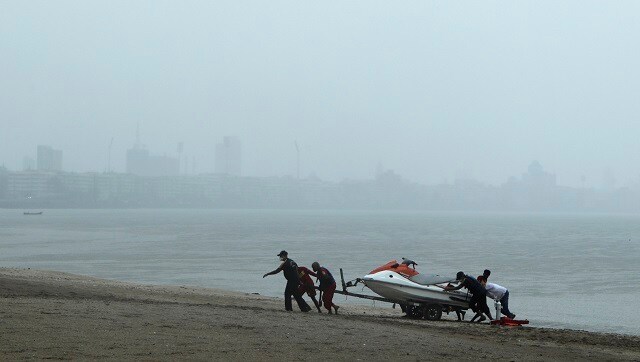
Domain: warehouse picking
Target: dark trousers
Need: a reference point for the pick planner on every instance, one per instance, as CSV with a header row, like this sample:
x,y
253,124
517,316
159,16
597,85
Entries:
x,y
478,304
292,290
505,305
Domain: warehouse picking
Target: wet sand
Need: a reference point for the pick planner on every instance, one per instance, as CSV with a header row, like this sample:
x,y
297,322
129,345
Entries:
x,y
52,315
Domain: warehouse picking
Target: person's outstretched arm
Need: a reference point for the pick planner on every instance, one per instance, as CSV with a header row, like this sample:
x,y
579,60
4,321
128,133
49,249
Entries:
x,y
447,288
275,271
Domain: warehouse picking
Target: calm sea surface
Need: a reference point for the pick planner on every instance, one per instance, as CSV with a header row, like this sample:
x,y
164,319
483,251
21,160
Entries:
x,y
562,271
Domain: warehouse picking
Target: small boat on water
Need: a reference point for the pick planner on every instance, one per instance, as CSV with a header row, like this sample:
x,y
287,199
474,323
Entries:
x,y
33,213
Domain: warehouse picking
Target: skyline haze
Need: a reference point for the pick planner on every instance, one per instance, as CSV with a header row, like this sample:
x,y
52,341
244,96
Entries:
x,y
434,91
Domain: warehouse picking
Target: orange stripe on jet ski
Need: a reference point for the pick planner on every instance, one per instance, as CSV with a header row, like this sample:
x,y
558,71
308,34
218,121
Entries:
x,y
398,268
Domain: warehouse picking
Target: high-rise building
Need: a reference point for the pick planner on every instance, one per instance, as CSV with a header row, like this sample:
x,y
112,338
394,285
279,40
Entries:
x,y
49,159
538,177
229,156
28,163
140,162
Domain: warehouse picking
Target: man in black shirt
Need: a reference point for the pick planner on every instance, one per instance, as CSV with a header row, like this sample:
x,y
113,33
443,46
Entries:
x,y
478,302
290,271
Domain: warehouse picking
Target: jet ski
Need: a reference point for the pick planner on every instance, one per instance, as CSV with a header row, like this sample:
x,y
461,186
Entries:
x,y
420,295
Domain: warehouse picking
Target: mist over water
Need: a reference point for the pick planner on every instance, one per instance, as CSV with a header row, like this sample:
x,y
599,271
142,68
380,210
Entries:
x,y
562,270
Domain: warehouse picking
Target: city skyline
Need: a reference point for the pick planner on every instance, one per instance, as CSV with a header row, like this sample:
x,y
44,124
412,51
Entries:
x,y
432,101
142,156
179,164
534,191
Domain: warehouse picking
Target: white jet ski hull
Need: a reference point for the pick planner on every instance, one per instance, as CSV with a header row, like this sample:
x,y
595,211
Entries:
x,y
394,286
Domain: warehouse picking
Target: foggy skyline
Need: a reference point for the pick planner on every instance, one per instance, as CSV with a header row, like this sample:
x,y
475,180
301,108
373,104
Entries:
x,y
434,91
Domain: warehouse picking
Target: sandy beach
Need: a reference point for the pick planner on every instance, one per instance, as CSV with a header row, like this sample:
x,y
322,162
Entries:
x,y
52,315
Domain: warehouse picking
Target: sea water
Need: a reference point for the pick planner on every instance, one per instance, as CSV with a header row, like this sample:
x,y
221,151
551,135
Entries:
x,y
562,271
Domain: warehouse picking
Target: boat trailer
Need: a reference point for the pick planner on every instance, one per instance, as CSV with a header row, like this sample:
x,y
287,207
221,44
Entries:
x,y
413,309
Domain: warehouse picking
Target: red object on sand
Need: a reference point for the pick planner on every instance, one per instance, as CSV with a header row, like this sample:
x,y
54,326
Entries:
x,y
508,322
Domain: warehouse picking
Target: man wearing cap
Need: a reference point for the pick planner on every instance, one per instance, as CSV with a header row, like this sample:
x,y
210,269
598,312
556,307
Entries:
x,y
290,270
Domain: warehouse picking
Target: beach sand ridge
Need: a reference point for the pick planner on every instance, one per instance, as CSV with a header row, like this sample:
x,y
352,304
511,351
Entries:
x,y
54,315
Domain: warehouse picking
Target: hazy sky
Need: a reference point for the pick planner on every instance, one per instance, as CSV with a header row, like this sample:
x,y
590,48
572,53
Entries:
x,y
431,89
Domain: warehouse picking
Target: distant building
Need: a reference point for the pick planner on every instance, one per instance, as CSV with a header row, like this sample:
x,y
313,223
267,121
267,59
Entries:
x,y
27,185
49,159
536,177
28,164
141,163
608,179
536,191
3,182
229,156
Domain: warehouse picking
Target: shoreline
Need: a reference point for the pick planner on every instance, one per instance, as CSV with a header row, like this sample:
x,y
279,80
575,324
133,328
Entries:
x,y
46,314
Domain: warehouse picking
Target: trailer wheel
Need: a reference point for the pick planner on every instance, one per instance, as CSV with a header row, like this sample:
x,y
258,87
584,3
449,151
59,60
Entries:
x,y
415,312
433,312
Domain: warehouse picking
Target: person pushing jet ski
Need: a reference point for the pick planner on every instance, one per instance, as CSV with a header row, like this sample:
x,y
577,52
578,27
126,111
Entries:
x,y
499,294
290,270
307,286
486,274
327,286
478,301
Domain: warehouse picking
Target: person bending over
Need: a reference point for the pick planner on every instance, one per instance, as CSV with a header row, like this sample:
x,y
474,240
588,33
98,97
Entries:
x,y
307,286
486,274
327,286
478,302
499,293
